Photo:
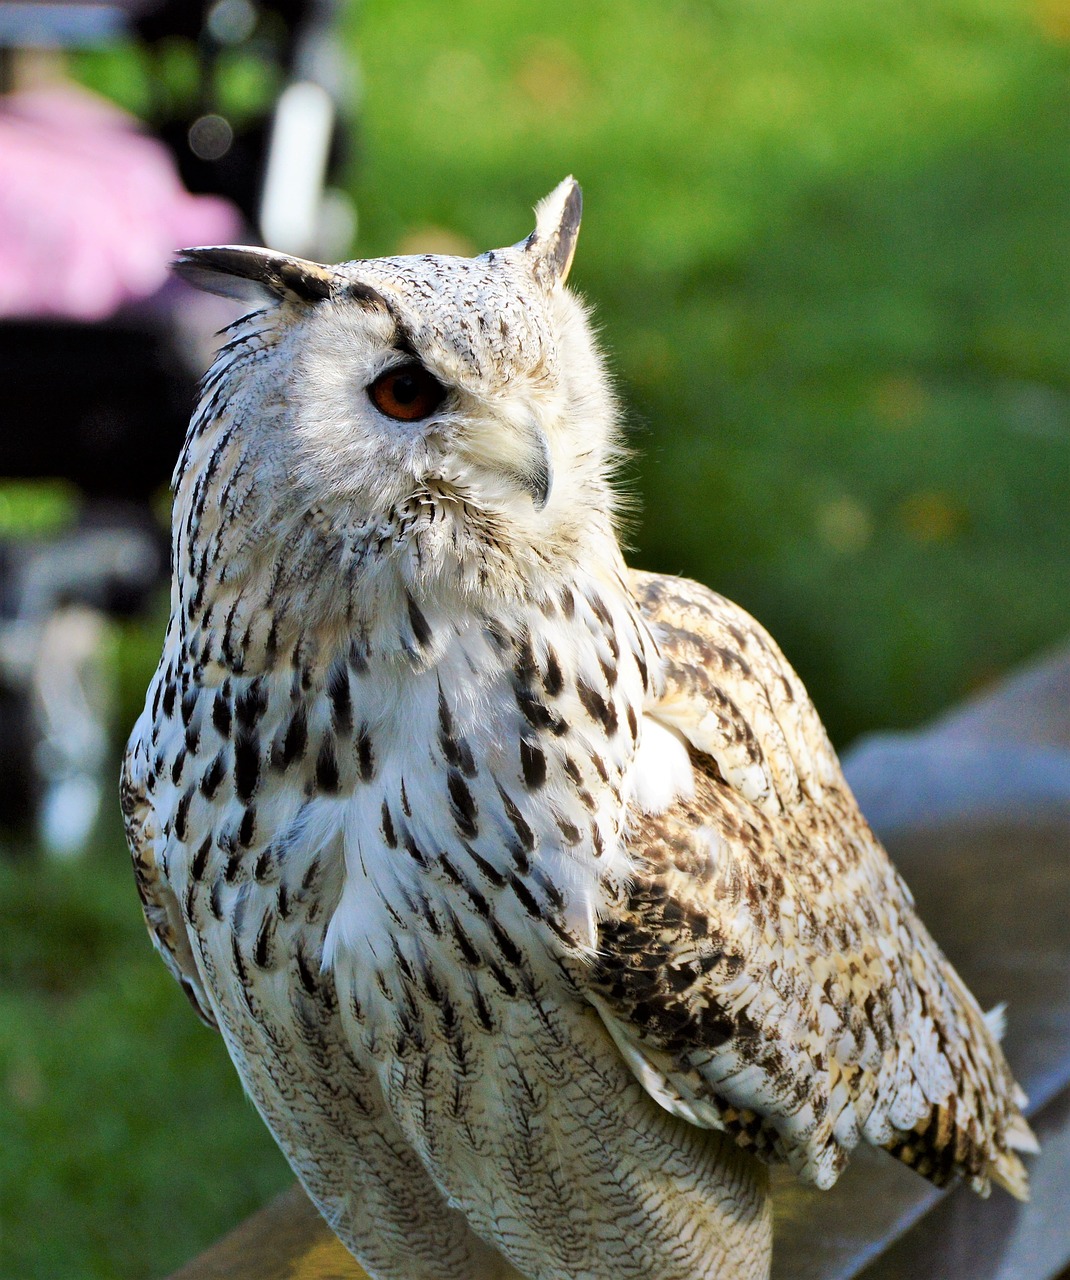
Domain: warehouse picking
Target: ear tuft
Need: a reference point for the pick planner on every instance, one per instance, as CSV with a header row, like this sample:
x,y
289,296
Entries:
x,y
254,275
557,227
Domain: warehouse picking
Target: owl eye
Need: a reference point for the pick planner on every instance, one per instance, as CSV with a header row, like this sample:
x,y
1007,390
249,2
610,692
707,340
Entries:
x,y
407,392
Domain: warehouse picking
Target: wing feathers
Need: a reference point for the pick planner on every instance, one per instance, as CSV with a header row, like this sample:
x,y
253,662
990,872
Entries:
x,y
764,972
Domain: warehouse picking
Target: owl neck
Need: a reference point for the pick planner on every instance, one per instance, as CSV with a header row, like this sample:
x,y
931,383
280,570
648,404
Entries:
x,y
395,588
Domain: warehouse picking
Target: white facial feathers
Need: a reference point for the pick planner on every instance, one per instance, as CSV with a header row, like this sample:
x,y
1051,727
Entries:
x,y
510,469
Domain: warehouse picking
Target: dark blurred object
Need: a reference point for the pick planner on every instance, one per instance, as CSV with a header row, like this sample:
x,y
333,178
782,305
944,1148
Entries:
x,y
218,152
104,405
56,689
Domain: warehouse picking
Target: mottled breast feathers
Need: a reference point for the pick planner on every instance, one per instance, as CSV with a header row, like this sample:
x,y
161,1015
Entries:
x,y
159,906
765,972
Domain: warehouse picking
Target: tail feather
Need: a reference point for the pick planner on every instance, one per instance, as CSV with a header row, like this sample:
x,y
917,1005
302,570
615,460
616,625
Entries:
x,y
1009,1172
977,1130
996,1020
1020,1137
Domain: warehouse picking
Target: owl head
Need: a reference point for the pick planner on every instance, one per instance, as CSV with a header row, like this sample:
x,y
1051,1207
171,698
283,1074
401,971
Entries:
x,y
451,411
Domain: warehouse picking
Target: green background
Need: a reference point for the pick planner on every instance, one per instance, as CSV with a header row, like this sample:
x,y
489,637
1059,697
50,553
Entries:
x,y
826,244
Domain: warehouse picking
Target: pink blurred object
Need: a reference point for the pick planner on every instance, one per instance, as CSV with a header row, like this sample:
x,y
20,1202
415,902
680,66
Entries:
x,y
91,208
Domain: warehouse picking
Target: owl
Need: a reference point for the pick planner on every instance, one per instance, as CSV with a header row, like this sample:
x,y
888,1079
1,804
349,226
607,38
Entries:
x,y
525,889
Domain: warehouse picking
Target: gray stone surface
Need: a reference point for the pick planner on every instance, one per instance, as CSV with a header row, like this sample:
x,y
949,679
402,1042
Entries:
x,y
1005,754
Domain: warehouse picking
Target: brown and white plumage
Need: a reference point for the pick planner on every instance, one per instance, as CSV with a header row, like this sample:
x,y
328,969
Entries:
x,y
765,971
526,892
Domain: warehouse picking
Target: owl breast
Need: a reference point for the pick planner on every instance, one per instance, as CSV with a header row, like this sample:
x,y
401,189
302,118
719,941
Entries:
x,y
386,861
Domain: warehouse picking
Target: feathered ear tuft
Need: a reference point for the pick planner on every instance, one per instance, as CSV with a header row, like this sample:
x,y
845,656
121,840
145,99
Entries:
x,y
557,227
253,275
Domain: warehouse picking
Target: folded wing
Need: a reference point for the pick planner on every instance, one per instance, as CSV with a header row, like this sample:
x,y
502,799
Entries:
x,y
764,972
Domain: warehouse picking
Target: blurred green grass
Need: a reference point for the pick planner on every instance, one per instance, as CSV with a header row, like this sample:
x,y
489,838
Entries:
x,y
125,1142
826,247
826,244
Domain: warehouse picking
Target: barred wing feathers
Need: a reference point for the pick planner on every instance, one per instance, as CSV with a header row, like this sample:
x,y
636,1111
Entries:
x,y
764,971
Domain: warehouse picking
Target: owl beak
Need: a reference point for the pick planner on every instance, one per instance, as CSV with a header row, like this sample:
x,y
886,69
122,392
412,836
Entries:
x,y
542,477
536,475
510,446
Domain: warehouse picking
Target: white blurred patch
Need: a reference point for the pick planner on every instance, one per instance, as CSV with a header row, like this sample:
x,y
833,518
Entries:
x,y
996,1018
663,771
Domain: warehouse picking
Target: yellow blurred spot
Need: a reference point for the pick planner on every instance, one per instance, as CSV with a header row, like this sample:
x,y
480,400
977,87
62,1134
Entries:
x,y
844,525
35,508
436,240
327,1260
1053,18
931,517
457,81
650,357
551,76
772,96
899,400
25,1087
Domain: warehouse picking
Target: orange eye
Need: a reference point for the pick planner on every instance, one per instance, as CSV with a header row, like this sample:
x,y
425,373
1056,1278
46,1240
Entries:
x,y
407,392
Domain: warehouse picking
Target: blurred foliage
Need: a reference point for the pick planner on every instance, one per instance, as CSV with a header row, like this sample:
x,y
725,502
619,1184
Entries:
x,y
169,79
825,242
36,508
